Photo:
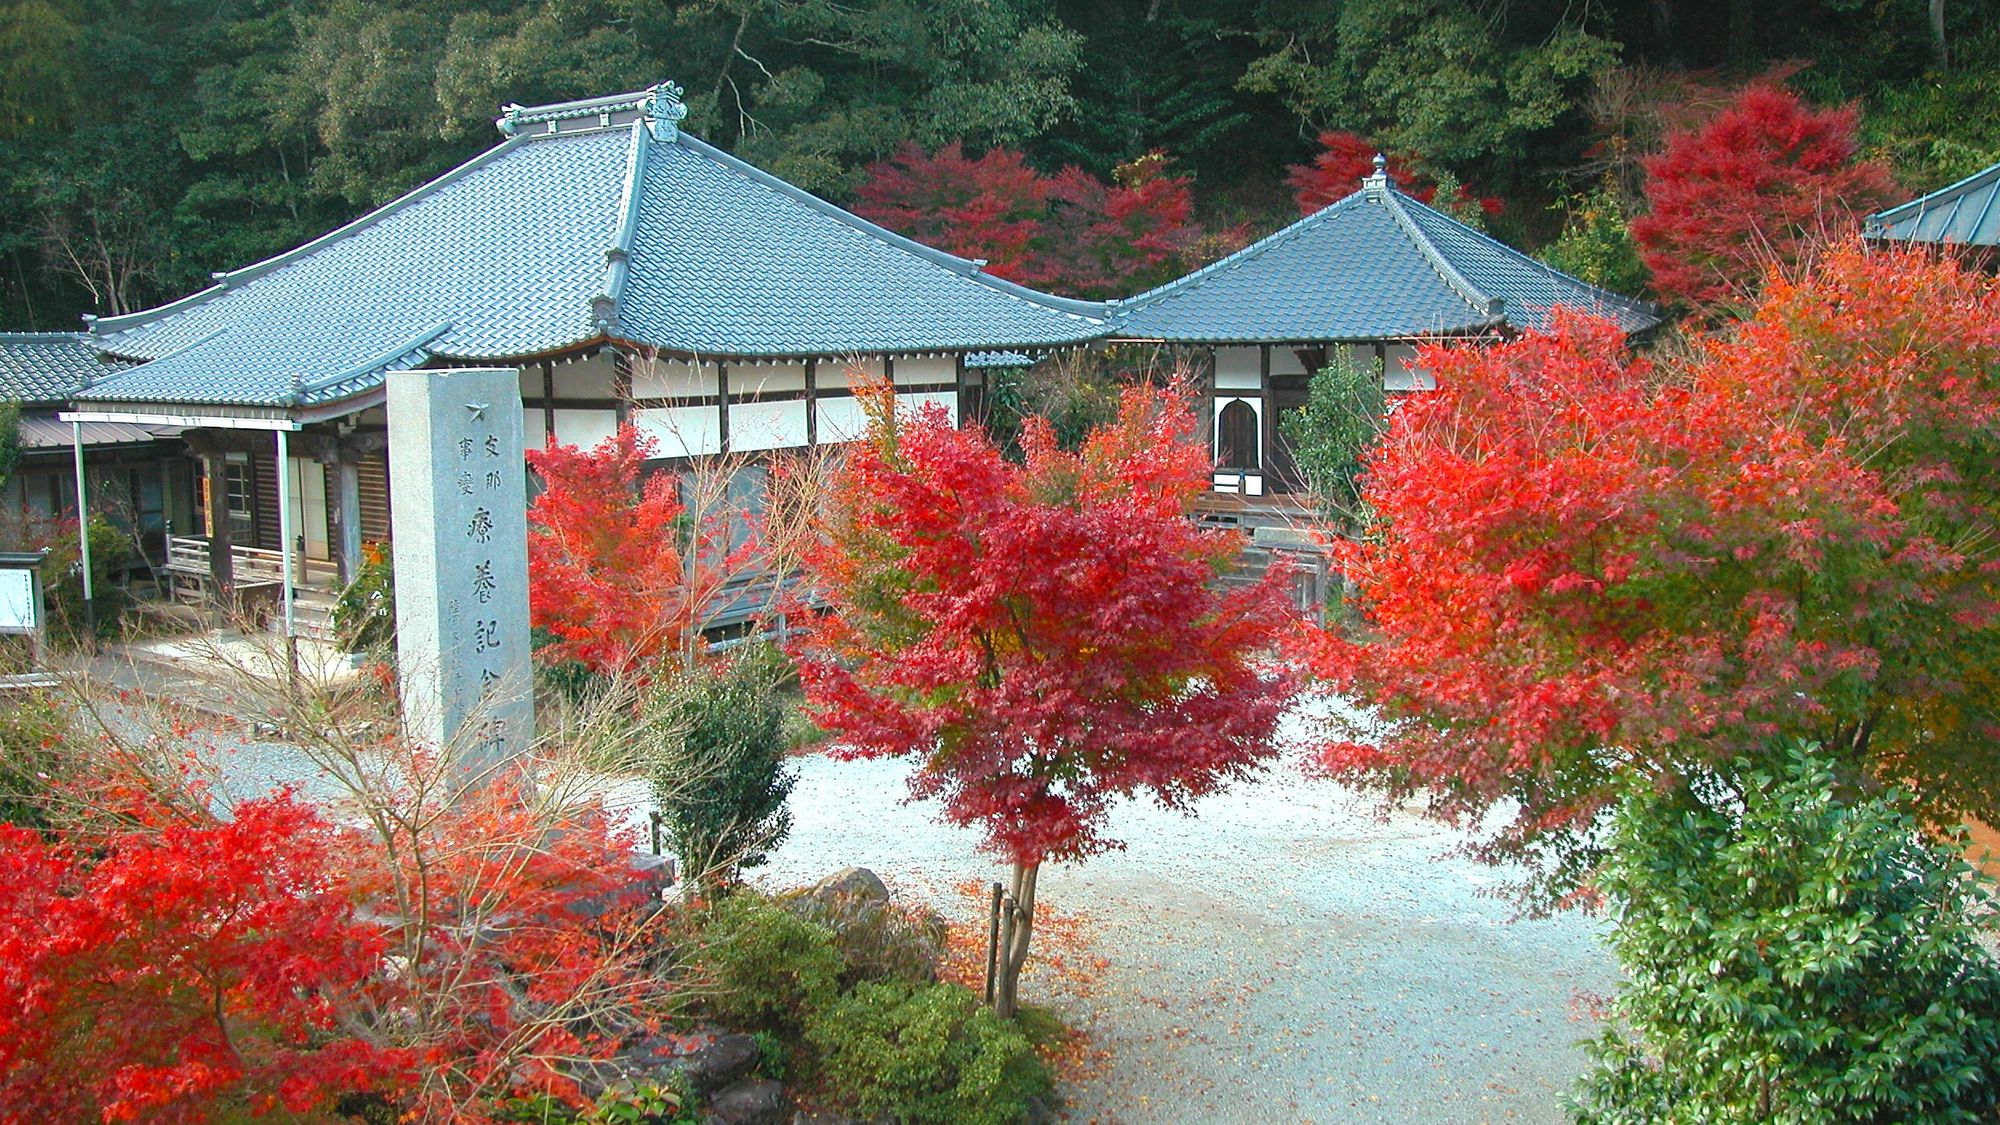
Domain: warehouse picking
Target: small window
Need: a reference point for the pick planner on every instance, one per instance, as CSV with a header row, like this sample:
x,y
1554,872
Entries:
x,y
1236,444
241,499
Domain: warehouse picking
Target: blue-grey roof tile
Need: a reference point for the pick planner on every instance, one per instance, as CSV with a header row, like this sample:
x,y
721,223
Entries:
x,y
44,368
499,258
1375,265
727,259
1966,213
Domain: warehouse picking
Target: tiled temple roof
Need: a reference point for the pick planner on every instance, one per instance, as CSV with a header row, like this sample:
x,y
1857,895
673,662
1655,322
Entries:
x,y
594,220
1375,265
45,368
1966,213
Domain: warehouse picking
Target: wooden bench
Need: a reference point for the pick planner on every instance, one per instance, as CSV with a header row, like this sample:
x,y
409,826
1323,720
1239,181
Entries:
x,y
258,575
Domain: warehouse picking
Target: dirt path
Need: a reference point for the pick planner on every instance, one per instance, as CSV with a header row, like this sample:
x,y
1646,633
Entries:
x,y
1285,956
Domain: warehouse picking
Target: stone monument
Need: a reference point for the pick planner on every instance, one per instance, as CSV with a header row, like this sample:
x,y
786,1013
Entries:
x,y
459,509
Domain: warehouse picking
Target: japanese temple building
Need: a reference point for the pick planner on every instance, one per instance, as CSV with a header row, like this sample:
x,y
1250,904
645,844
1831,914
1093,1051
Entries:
x,y
632,273
628,270
1375,275
139,474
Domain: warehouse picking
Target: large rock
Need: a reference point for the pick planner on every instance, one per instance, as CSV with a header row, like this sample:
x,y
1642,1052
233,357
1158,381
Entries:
x,y
851,884
657,1059
753,1101
724,1061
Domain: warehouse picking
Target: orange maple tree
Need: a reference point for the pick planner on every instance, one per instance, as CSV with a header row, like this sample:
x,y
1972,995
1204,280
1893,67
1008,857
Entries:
x,y
1589,563
620,573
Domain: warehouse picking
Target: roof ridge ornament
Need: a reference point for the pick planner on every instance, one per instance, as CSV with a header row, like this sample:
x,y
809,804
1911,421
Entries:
x,y
1379,181
665,111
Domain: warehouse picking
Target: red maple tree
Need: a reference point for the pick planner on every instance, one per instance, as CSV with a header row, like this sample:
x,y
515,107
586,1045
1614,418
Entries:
x,y
1756,186
1589,564
1046,638
168,966
1070,232
1345,159
992,207
619,572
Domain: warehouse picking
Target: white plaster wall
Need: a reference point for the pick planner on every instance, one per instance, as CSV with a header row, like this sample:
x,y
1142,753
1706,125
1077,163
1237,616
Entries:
x,y
1400,373
534,427
592,377
582,428
927,369
672,378
681,431
1238,369
764,378
1285,361
835,372
840,419
765,425
912,403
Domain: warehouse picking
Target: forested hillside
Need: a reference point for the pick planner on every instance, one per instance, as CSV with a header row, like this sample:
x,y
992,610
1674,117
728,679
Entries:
x,y
143,145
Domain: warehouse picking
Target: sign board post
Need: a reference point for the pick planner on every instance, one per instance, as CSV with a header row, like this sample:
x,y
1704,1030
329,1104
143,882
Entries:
x,y
459,514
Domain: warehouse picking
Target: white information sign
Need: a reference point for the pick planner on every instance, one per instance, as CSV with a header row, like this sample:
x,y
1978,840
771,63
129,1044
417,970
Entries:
x,y
17,600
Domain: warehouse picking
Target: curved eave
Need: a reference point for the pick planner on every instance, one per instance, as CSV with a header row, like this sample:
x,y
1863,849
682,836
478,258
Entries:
x,y
1949,200
1484,327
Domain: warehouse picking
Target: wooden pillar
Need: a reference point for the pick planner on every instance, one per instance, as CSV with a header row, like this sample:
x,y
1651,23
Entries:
x,y
1270,414
1207,397
722,405
621,387
959,390
812,402
549,400
287,528
221,567
83,533
347,513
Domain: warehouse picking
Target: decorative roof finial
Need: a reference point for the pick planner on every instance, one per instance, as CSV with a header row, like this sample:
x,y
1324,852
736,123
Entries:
x,y
665,111
1378,182
510,119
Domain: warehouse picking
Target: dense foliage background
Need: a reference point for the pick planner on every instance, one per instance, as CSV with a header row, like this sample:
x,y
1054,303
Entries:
x,y
145,144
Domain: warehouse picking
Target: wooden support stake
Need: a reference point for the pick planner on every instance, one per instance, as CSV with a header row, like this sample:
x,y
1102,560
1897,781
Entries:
x,y
993,939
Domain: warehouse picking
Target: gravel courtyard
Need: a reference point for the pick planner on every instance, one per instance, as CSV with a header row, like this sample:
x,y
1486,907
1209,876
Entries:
x,y
1283,956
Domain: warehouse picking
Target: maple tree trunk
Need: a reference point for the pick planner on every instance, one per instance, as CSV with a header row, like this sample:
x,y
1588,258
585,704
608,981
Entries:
x,y
1016,927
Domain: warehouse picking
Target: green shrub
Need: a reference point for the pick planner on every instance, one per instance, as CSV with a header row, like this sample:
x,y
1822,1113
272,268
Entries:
x,y
32,728
925,1053
717,770
1345,412
364,617
1596,243
770,968
1792,957
773,1057
62,579
877,940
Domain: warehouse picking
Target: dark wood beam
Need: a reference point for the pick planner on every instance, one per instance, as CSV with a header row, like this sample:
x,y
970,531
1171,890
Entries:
x,y
812,402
